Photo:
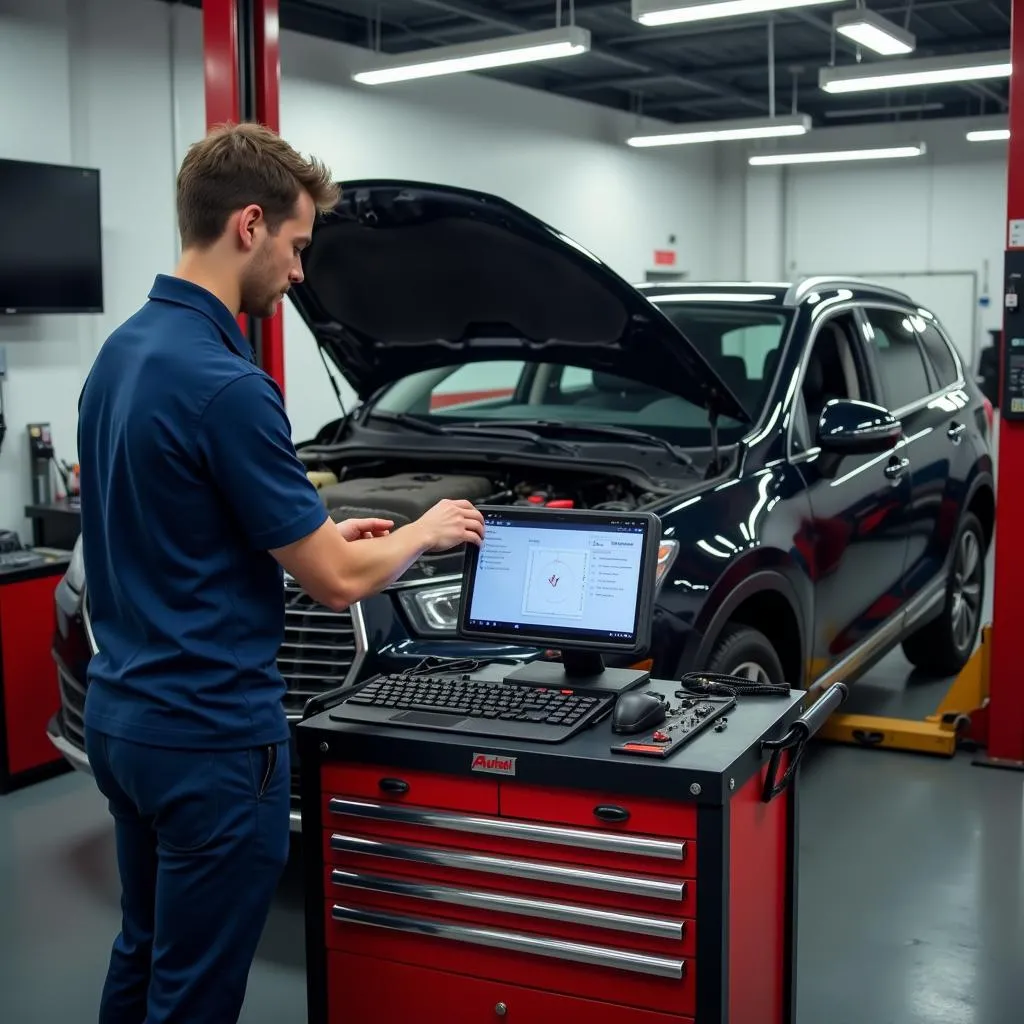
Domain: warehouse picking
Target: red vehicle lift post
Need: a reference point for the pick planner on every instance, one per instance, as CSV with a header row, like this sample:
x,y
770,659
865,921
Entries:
x,y
242,74
1005,718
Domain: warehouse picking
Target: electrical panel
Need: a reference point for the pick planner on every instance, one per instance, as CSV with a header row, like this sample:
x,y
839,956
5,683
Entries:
x,y
1011,398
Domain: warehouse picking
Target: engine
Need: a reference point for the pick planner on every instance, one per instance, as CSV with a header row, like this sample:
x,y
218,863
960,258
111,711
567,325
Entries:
x,y
404,497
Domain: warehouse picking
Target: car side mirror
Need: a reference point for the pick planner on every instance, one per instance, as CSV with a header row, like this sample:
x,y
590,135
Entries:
x,y
851,427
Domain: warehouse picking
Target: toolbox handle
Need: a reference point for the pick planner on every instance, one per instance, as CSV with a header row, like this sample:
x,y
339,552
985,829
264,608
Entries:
x,y
397,787
611,812
800,732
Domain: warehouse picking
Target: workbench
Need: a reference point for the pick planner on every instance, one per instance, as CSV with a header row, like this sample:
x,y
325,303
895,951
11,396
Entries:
x,y
452,879
29,691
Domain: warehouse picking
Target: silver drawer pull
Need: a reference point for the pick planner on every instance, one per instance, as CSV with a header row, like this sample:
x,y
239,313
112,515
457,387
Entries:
x,y
613,920
598,956
582,877
589,839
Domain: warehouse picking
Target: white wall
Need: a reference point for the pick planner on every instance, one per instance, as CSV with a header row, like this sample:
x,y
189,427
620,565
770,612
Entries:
x,y
934,225
117,84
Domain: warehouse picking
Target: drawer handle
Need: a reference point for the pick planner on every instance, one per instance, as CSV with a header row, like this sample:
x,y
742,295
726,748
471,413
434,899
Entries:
x,y
510,828
533,870
397,787
568,913
577,952
610,812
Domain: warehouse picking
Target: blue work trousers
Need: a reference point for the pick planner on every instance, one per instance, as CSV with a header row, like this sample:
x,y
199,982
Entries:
x,y
202,840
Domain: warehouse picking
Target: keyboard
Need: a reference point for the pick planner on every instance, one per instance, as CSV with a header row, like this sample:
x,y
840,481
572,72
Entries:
x,y
462,703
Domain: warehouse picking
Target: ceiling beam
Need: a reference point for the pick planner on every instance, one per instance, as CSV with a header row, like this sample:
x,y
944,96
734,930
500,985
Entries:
x,y
811,60
642,64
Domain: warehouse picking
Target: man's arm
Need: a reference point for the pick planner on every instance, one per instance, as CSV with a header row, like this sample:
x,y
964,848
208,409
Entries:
x,y
245,443
337,572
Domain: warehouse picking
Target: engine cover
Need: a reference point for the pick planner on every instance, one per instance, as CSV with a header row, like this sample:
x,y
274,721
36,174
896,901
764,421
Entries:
x,y
403,497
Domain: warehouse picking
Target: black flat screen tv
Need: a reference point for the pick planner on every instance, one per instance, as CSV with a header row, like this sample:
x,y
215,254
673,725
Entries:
x,y
50,239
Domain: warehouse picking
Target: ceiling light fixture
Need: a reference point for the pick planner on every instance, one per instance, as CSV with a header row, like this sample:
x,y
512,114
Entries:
x,y
727,131
655,13
866,28
989,135
524,48
970,67
837,156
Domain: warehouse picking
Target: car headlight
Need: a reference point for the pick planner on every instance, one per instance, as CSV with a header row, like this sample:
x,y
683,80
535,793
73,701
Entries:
x,y
667,551
75,575
433,610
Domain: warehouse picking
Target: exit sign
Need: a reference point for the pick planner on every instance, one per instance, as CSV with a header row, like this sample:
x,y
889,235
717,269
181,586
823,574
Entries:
x,y
664,257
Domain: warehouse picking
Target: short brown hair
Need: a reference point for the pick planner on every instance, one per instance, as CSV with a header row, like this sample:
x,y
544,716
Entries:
x,y
239,164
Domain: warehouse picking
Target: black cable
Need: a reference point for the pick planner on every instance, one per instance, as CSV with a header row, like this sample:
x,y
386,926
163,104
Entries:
x,y
718,684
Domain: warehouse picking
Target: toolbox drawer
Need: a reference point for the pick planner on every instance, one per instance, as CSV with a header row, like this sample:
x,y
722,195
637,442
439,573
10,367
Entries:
x,y
575,920
600,810
402,786
367,991
507,955
600,848
634,890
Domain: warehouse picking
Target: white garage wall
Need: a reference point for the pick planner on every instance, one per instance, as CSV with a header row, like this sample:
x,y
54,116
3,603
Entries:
x,y
934,225
117,84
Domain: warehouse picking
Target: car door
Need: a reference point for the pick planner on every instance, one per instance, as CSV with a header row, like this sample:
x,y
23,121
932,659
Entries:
x,y
920,380
857,539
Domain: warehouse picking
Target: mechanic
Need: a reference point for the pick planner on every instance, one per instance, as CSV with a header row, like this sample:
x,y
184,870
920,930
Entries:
x,y
193,504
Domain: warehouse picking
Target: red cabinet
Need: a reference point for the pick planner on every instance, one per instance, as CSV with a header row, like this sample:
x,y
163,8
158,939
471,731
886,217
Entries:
x,y
29,694
618,893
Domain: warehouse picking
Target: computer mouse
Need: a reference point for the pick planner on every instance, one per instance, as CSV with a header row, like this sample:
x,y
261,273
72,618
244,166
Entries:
x,y
637,712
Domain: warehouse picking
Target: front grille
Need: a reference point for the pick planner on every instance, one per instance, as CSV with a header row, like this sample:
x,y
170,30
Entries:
x,y
319,650
72,700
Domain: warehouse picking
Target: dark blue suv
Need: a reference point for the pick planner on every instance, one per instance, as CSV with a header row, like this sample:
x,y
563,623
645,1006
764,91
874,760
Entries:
x,y
818,454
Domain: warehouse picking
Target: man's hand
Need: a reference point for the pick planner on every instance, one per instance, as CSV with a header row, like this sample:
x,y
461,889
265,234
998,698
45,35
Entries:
x,y
364,529
450,523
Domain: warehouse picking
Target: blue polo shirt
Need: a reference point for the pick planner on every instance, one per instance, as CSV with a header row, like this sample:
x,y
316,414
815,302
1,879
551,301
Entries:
x,y
189,476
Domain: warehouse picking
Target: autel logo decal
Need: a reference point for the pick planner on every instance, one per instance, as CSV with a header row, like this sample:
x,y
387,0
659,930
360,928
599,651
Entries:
x,y
494,764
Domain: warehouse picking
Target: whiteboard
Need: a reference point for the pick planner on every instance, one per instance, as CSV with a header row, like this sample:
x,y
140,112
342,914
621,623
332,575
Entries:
x,y
952,297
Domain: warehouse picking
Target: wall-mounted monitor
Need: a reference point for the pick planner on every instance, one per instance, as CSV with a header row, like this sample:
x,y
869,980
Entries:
x,y
51,258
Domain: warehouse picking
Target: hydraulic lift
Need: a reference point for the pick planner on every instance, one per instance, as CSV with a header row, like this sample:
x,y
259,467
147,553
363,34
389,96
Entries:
x,y
985,704
242,74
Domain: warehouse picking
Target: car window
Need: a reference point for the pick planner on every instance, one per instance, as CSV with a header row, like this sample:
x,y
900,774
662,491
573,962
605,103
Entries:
x,y
834,370
476,382
741,343
898,354
941,358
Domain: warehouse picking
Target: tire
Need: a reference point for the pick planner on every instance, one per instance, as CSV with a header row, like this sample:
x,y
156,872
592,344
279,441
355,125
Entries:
x,y
743,651
943,646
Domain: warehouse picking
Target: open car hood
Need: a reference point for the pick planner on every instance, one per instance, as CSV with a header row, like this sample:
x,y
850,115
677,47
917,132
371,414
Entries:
x,y
404,276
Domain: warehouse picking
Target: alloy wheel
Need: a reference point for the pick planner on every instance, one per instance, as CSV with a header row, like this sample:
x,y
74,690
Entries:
x,y
966,605
753,671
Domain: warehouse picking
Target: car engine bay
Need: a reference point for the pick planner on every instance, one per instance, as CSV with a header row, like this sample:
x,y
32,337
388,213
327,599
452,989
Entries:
x,y
405,496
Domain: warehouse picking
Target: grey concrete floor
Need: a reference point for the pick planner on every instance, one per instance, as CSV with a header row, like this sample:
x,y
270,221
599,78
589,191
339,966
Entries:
x,y
911,909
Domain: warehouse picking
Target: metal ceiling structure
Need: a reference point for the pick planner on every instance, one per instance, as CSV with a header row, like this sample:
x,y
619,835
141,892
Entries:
x,y
703,71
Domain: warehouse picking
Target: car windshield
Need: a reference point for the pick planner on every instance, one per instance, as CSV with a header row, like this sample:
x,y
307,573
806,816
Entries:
x,y
741,343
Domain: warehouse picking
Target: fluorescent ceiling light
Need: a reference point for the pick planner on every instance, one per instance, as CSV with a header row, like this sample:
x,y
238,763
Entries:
x,y
654,13
725,131
989,135
837,156
490,53
969,67
866,28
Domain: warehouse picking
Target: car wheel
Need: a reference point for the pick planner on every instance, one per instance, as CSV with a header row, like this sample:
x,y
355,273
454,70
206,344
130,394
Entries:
x,y
943,646
742,651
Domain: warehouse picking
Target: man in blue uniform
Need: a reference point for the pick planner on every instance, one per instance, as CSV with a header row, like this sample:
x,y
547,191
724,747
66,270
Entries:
x,y
193,503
